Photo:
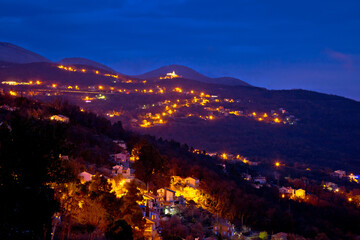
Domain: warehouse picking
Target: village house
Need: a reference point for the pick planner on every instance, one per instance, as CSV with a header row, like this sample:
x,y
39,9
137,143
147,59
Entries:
x,y
167,200
121,157
85,177
121,144
353,178
64,157
150,200
150,231
126,172
192,182
330,186
117,169
224,229
166,194
260,179
59,118
339,173
286,192
246,176
300,193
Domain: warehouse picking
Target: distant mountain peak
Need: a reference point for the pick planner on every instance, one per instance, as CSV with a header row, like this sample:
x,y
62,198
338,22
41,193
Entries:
x,y
189,73
15,54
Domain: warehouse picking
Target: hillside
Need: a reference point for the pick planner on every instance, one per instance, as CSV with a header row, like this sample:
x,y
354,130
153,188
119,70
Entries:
x,y
301,126
15,54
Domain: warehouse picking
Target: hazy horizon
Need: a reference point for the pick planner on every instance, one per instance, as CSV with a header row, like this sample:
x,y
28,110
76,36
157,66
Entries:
x,y
310,45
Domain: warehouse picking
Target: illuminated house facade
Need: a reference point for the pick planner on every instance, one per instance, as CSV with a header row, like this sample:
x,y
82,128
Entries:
x,y
59,118
192,182
224,229
85,177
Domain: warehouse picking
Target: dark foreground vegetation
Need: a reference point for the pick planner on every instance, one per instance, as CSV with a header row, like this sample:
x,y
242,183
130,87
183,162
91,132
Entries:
x,y
37,185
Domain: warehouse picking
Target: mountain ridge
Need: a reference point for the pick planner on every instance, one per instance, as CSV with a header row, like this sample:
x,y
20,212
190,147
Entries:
x,y
189,73
15,54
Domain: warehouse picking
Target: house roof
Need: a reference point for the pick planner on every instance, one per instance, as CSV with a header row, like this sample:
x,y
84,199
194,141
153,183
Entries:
x,y
167,189
193,178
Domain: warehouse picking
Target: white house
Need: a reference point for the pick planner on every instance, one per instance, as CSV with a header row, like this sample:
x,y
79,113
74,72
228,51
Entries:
x,y
260,179
121,157
120,143
85,177
150,229
126,172
117,169
167,194
224,229
286,192
300,193
192,182
339,173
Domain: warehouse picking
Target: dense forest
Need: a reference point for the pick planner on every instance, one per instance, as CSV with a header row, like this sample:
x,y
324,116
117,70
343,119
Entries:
x,y
38,185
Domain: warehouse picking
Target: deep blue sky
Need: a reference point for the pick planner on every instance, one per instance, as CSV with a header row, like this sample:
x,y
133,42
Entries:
x,y
275,44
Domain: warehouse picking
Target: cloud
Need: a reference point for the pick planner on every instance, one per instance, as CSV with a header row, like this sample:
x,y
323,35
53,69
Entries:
x,y
345,59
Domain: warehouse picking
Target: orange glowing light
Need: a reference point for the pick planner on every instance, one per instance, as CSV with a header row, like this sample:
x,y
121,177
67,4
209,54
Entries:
x,y
349,199
83,70
12,93
178,90
54,85
277,164
254,113
101,87
38,82
97,72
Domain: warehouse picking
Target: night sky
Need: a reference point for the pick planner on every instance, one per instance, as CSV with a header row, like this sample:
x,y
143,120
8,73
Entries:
x,y
274,44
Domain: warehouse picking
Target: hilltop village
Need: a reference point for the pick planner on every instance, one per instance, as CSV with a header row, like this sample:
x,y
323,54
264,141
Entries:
x,y
176,103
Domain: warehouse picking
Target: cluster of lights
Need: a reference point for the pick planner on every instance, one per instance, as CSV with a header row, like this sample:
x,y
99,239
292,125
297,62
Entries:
x,y
83,70
14,83
113,114
170,76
